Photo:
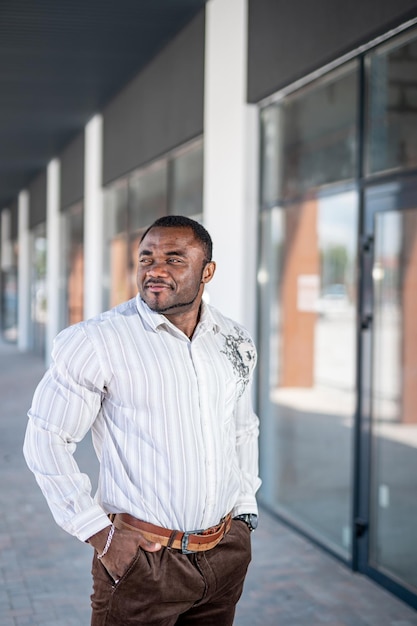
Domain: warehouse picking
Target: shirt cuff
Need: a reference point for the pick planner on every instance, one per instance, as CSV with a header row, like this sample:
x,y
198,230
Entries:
x,y
245,504
87,523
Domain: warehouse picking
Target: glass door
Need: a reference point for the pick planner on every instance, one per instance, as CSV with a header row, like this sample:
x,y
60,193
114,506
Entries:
x,y
307,396
307,307
391,546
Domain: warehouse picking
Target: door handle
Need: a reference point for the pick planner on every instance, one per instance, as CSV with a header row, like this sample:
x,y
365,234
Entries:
x,y
366,321
361,526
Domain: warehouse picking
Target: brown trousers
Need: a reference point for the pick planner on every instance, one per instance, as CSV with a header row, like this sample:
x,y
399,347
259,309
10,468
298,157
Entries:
x,y
168,588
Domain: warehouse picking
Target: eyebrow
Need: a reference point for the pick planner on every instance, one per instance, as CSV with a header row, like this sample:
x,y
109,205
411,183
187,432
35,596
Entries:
x,y
168,253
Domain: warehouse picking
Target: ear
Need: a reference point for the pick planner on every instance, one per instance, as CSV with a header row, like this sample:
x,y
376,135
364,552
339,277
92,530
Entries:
x,y
208,272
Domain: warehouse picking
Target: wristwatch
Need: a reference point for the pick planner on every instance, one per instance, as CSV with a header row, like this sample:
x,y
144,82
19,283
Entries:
x,y
250,519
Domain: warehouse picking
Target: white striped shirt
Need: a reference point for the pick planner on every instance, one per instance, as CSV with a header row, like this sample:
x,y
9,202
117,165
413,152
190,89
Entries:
x,y
171,420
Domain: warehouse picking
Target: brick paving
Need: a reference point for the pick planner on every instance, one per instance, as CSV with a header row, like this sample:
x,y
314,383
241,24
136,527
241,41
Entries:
x,y
45,573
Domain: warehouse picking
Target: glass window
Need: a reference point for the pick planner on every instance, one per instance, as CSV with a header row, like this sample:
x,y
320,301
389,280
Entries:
x,y
39,288
308,302
307,279
9,304
186,189
309,138
9,295
272,154
310,395
115,262
73,236
392,107
393,548
147,195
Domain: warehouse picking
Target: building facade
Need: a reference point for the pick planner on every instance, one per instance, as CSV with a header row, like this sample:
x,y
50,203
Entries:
x,y
290,131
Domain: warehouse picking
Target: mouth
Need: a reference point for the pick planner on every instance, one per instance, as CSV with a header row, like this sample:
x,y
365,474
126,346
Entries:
x,y
156,287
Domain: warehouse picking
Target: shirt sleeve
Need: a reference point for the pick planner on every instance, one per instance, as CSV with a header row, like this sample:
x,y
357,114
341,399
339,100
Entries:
x,y
247,436
65,405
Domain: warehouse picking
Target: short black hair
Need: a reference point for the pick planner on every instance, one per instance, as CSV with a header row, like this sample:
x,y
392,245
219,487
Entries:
x,y
181,221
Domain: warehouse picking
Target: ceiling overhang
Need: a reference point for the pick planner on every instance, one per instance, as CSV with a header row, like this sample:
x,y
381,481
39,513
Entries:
x,y
61,62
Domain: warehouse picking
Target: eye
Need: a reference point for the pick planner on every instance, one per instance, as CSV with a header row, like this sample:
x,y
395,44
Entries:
x,y
145,261
174,260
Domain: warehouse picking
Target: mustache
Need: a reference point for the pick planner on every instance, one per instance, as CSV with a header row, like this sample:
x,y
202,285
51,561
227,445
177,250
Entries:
x,y
157,281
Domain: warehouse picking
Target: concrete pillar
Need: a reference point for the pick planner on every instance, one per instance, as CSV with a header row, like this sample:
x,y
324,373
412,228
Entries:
x,y
54,255
24,326
230,161
93,218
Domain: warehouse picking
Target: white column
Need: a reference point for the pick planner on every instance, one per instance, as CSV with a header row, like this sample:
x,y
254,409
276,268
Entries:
x,y
93,218
6,243
230,161
54,253
24,323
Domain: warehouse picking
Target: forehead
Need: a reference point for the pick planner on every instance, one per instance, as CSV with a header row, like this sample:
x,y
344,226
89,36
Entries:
x,y
170,239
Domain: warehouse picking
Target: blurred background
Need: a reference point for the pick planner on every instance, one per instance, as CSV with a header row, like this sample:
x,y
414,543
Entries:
x,y
290,131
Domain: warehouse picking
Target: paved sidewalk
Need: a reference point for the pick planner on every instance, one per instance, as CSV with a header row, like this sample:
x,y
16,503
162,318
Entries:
x,y
45,573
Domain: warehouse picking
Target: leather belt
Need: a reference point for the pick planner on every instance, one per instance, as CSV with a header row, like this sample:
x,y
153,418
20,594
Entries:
x,y
187,542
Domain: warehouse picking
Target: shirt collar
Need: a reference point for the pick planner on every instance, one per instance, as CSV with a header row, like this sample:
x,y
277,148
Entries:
x,y
207,321
157,321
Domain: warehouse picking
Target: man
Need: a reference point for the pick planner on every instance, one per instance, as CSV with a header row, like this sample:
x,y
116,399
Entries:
x,y
163,382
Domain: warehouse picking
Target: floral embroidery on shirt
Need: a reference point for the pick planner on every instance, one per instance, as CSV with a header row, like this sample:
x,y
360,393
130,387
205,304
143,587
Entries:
x,y
241,353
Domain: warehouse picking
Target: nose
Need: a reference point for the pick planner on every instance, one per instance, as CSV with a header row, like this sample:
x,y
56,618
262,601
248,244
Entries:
x,y
158,268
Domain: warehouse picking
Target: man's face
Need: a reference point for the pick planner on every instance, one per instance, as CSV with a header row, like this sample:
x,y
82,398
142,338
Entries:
x,y
172,270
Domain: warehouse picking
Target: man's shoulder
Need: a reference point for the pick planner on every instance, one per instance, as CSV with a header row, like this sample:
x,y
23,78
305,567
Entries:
x,y
121,311
237,345
110,319
228,325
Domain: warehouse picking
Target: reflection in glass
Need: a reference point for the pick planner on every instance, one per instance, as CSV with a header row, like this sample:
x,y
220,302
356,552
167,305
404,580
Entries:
x,y
272,155
392,107
9,296
39,308
147,195
115,263
308,288
186,189
394,397
73,227
307,281
309,139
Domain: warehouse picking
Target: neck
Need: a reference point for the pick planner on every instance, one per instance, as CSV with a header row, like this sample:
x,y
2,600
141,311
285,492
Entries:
x,y
186,321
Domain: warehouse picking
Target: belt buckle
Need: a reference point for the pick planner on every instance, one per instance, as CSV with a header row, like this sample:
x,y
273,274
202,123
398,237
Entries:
x,y
184,543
